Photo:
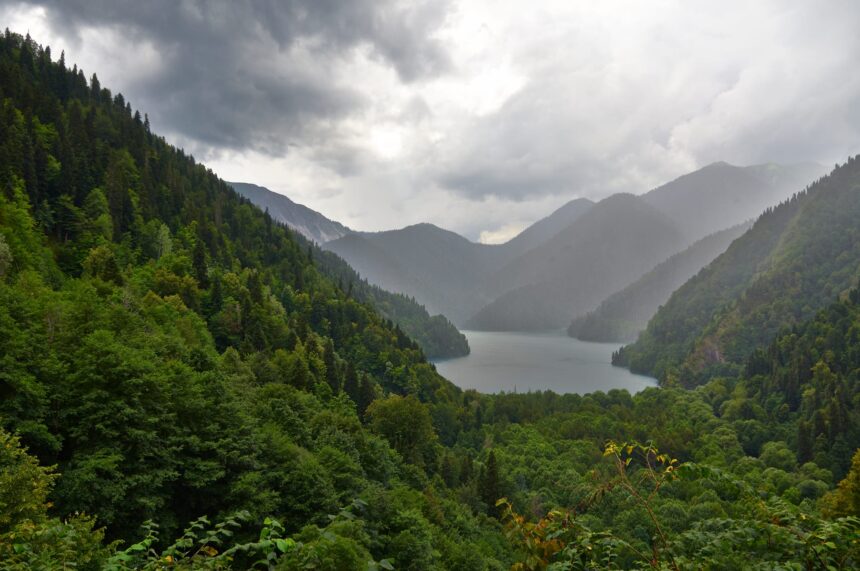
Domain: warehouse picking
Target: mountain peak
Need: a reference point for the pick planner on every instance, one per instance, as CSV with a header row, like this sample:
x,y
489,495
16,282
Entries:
x,y
307,222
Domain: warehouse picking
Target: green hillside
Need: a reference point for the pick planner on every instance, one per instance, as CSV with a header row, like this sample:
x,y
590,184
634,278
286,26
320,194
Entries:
x,y
792,262
624,314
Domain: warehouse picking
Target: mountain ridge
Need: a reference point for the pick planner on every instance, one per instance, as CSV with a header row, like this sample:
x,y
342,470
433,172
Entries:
x,y
624,314
614,255
306,221
795,259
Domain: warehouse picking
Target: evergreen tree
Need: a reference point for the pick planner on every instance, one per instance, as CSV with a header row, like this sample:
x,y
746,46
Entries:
x,y
198,261
366,394
330,361
350,383
489,485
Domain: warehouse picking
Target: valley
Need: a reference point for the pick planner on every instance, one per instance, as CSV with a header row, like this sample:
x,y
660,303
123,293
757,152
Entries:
x,y
658,366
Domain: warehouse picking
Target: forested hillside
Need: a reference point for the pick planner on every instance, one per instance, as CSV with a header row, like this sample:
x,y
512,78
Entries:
x,y
183,385
309,223
796,258
624,314
168,346
441,268
436,336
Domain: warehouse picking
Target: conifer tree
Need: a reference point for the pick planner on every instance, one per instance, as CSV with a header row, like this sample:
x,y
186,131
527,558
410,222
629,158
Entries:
x,y
489,485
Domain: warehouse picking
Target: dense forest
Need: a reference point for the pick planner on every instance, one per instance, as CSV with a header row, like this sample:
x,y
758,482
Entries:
x,y
185,384
797,258
435,334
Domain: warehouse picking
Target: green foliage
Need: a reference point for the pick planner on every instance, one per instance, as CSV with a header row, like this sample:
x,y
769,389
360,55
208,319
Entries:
x,y
764,535
24,484
406,424
794,261
845,499
176,356
29,538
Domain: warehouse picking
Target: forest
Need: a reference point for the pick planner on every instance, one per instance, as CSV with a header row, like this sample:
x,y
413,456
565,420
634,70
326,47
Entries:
x,y
185,384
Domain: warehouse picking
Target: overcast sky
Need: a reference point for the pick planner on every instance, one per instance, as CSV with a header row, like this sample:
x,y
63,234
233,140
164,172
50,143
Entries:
x,y
480,116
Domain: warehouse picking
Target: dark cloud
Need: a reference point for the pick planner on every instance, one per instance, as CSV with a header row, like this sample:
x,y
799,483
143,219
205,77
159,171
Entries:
x,y
471,114
257,74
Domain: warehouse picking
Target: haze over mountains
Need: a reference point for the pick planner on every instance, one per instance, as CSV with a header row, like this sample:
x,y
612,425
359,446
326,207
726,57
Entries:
x,y
436,336
796,259
721,195
616,241
186,381
309,223
566,264
624,314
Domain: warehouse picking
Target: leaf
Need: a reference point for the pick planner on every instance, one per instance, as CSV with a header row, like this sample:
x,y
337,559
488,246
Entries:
x,y
285,545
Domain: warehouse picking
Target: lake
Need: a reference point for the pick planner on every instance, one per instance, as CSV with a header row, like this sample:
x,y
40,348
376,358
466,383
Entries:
x,y
525,362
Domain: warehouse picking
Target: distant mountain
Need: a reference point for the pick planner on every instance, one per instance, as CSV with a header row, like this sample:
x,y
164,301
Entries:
x,y
309,223
436,335
797,258
568,269
624,314
721,195
546,228
613,243
439,268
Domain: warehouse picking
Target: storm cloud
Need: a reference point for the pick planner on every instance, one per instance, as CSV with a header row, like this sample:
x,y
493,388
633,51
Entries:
x,y
477,115
253,75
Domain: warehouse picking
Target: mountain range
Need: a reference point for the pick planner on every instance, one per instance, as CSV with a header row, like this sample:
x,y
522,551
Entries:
x,y
624,314
797,258
169,353
552,271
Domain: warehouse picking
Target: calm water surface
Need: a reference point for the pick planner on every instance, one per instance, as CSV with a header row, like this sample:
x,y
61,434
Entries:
x,y
538,361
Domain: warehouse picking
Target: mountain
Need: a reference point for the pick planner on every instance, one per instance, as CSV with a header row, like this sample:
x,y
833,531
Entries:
x,y
436,336
721,195
309,223
811,372
795,259
441,269
621,316
169,353
613,243
488,286
438,267
167,347
546,228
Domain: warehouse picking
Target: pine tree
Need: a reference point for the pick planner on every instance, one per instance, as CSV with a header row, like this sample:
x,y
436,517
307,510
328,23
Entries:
x,y
489,485
366,394
350,382
331,375
198,261
845,499
805,442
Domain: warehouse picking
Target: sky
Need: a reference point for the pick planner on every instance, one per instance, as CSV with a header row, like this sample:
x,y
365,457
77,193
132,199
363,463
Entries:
x,y
480,116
